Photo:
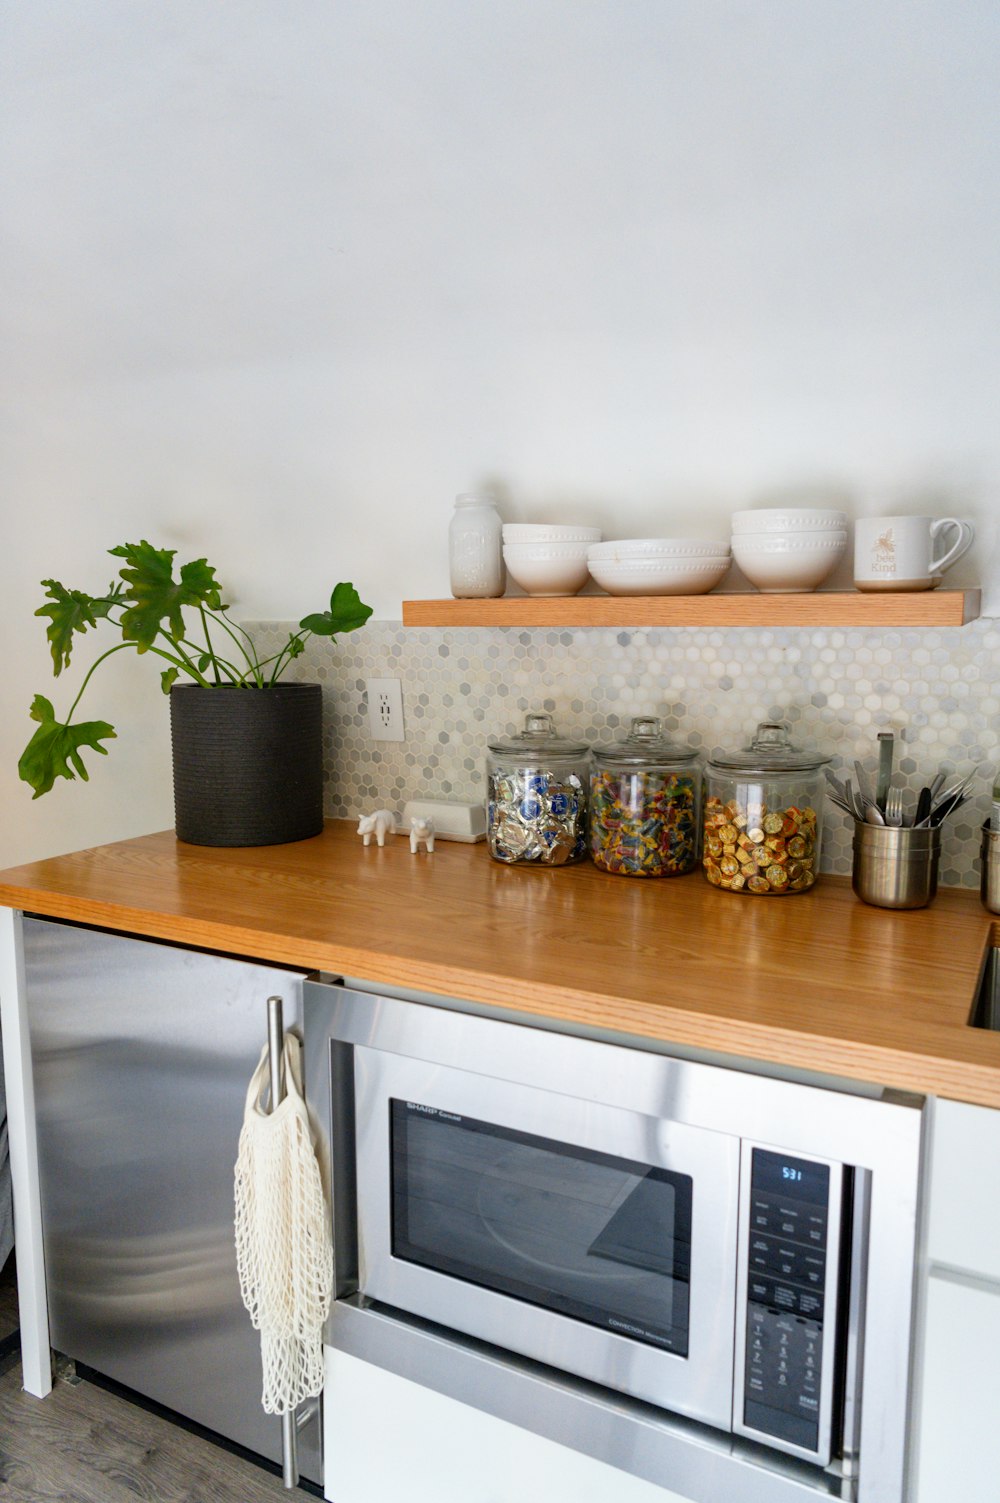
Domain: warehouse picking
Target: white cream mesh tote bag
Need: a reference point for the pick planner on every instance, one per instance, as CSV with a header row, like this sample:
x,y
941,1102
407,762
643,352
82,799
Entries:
x,y
284,1251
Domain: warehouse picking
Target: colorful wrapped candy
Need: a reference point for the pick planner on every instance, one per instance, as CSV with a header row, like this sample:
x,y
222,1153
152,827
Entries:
x,y
644,797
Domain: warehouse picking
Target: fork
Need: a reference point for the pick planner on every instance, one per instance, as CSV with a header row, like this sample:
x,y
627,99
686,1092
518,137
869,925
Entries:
x,y
894,808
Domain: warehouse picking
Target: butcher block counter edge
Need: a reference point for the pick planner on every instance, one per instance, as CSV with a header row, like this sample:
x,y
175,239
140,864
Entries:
x,y
817,981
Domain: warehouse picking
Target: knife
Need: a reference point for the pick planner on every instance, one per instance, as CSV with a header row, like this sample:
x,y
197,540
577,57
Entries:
x,y
923,806
948,806
866,797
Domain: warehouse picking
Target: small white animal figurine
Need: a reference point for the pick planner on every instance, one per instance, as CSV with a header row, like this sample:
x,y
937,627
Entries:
x,y
421,830
379,823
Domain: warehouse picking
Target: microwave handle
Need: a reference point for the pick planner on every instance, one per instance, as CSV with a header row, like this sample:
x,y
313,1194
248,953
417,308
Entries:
x,y
854,1305
276,1066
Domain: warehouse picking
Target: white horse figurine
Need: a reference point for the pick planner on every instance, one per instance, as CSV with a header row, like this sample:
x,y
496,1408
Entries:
x,y
421,830
379,823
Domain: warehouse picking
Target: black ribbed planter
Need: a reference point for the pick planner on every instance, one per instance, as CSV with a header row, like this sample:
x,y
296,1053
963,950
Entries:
x,y
248,763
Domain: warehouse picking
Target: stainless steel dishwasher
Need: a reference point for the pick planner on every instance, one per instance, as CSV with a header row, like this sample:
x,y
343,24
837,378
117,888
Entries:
x,y
142,1053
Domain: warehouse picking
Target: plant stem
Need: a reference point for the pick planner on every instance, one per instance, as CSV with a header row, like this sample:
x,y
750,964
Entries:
x,y
181,659
177,662
208,643
250,657
278,668
89,674
183,662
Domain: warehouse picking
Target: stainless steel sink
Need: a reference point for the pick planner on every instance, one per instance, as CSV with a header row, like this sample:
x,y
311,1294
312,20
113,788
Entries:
x,y
986,1013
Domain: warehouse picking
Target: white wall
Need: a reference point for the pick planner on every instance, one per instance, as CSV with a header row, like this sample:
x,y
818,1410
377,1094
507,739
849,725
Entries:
x,y
278,278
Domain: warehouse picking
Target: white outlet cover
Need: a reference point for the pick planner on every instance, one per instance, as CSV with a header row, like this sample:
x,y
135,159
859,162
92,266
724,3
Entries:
x,y
385,709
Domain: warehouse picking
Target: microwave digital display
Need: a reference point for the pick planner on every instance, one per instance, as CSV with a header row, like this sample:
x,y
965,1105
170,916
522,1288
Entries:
x,y
597,1238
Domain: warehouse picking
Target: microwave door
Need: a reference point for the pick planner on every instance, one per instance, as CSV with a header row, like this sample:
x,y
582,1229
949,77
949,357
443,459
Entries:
x,y
589,1237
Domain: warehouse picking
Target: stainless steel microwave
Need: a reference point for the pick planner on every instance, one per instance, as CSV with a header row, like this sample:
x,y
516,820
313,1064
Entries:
x,y
729,1248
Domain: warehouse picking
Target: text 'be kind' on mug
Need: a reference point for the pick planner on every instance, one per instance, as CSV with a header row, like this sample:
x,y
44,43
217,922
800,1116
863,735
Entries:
x,y
898,553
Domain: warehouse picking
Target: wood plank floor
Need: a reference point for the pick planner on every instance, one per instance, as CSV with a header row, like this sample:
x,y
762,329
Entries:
x,y
8,1300
83,1444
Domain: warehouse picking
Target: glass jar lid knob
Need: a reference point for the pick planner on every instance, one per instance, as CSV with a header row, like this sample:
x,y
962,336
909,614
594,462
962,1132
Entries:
x,y
771,735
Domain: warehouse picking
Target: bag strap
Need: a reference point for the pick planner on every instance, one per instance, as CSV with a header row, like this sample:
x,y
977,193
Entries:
x,y
260,1082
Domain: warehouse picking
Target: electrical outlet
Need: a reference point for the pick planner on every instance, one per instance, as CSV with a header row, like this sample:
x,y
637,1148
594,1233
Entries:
x,y
385,709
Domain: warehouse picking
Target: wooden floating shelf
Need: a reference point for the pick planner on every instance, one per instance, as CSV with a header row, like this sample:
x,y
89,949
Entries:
x,y
818,608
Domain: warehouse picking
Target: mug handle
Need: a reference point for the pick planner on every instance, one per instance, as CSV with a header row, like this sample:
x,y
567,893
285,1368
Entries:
x,y
962,544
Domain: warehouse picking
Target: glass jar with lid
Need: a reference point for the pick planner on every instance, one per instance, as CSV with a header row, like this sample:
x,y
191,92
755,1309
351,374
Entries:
x,y
762,819
537,795
644,797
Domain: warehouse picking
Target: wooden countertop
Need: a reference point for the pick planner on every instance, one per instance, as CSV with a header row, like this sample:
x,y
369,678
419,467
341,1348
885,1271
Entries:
x,y
817,980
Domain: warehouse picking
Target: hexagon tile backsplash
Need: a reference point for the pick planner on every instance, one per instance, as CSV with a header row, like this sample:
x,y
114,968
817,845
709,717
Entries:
x,y
938,690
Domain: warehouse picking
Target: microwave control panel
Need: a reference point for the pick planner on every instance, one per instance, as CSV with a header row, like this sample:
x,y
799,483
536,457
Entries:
x,y
790,1253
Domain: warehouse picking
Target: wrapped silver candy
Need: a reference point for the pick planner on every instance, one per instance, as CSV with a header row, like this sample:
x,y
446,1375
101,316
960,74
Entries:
x,y
537,805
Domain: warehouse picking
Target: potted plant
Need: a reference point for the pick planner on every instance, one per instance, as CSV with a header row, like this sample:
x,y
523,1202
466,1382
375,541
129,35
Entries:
x,y
247,748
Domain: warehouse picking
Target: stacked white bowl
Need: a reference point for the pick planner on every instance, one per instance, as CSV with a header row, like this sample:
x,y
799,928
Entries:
x,y
547,560
658,566
788,549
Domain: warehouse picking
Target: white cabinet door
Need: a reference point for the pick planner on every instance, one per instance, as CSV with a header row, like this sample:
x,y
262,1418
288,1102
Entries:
x,y
964,1223
955,1444
388,1439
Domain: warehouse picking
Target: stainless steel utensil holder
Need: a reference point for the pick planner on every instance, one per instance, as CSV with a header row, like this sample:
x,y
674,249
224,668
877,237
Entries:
x,y
989,876
895,867
276,1064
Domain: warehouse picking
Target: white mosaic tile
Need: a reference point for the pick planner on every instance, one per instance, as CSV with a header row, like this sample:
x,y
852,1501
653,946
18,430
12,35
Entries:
x,y
938,690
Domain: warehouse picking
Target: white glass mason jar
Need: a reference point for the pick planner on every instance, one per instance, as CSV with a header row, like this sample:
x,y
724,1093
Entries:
x,y
475,549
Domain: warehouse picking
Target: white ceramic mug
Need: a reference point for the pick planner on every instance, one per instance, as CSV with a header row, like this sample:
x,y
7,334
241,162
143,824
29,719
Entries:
x,y
898,553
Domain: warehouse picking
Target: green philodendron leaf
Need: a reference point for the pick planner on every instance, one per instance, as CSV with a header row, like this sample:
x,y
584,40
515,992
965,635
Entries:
x,y
54,750
154,595
168,677
69,611
347,612
296,647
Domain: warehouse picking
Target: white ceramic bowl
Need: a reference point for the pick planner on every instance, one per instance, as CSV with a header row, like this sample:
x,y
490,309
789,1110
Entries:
x,y
788,562
541,532
788,519
639,548
547,568
659,576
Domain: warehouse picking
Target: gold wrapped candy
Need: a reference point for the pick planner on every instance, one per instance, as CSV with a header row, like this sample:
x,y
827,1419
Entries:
x,y
767,852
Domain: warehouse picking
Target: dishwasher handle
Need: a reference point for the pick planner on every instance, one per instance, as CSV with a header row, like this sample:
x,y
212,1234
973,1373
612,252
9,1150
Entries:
x,y
276,1063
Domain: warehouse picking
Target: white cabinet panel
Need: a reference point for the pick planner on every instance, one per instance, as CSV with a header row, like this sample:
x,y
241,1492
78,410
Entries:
x,y
955,1441
964,1223
388,1439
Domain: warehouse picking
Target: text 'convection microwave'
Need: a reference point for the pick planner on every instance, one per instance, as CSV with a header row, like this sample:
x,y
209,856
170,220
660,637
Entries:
x,y
731,1252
